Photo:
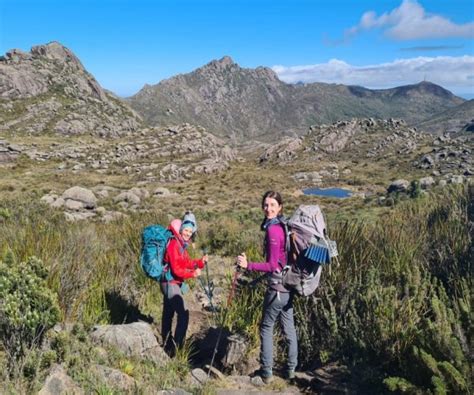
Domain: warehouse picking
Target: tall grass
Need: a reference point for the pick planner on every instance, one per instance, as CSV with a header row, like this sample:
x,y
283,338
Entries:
x,y
401,294
86,259
398,308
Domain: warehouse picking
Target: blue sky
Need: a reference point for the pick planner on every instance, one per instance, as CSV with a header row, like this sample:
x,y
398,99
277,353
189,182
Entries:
x,y
378,44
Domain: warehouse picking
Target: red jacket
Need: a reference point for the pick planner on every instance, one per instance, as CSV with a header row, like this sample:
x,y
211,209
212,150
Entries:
x,y
176,255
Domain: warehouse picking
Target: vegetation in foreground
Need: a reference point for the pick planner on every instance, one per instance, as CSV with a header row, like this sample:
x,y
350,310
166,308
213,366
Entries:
x,y
396,312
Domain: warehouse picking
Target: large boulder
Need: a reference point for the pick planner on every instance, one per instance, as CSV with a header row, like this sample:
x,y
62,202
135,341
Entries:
x,y
135,339
142,193
80,194
398,186
427,182
128,197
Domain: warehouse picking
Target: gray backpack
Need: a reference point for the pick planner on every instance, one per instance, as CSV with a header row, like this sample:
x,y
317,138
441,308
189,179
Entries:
x,y
309,249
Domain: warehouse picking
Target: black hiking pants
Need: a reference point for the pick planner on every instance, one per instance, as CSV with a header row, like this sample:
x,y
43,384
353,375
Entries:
x,y
173,303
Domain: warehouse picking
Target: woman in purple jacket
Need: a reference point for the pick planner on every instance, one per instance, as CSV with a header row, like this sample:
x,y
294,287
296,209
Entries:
x,y
278,302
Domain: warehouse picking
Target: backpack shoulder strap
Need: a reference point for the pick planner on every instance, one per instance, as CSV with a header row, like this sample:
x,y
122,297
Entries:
x,y
284,223
286,229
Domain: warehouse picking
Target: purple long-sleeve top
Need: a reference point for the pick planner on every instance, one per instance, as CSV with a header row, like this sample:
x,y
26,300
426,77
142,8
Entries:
x,y
274,251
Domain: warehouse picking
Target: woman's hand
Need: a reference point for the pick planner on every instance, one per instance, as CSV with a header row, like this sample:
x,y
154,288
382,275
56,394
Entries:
x,y
205,259
242,261
197,272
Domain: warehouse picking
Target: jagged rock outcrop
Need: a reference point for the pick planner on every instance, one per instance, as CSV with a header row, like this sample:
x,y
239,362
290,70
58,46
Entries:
x,y
49,90
241,103
284,151
377,140
366,137
361,138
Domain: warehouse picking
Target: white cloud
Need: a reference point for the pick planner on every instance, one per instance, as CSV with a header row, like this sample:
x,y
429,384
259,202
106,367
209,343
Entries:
x,y
453,73
410,21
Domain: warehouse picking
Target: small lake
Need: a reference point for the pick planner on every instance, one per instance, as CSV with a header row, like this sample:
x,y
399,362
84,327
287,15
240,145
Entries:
x,y
329,192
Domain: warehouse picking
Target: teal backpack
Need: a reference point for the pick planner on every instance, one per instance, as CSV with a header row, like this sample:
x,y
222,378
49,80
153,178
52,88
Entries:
x,y
155,239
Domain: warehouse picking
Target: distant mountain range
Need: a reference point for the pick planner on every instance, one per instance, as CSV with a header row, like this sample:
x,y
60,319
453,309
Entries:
x,y
49,90
253,103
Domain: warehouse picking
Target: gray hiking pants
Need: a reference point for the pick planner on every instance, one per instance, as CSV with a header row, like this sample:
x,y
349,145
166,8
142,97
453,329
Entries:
x,y
173,302
277,304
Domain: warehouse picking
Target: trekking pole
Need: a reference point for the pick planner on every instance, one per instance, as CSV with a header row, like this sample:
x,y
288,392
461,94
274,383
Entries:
x,y
209,290
234,285
229,301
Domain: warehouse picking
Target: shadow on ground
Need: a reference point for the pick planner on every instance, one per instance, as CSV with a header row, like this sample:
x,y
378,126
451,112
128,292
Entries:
x,y
123,311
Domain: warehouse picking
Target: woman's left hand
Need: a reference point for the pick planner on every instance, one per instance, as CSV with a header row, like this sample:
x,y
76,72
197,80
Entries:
x,y
205,259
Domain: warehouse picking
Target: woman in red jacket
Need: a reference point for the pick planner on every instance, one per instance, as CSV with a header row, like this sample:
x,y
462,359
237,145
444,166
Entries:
x,y
181,267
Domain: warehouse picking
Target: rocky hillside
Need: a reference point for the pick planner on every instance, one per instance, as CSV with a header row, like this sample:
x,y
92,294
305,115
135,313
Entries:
x,y
335,150
353,139
253,103
168,154
458,119
48,90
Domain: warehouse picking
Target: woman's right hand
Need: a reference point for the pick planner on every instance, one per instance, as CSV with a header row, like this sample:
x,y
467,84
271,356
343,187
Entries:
x,y
197,272
242,260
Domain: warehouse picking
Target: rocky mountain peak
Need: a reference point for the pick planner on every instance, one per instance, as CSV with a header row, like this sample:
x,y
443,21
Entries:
x,y
56,51
424,88
53,51
224,61
28,74
49,89
219,67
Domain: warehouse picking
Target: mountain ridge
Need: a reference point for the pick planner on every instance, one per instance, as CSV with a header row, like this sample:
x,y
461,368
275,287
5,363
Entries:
x,y
49,90
242,103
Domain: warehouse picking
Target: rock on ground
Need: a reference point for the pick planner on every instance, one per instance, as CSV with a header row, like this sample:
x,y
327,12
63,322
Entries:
x,y
58,382
135,339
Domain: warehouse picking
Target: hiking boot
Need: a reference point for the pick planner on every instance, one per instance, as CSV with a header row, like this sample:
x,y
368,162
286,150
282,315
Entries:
x,y
267,379
266,375
290,374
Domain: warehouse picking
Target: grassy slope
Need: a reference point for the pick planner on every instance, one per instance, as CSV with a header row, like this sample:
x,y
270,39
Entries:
x,y
88,261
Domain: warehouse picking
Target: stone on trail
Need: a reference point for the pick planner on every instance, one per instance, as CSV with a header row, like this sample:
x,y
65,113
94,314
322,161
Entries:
x,y
115,378
175,391
199,376
58,382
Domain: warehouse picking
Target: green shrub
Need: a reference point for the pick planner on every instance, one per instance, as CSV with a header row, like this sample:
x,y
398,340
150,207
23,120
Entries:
x,y
4,213
414,191
27,308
